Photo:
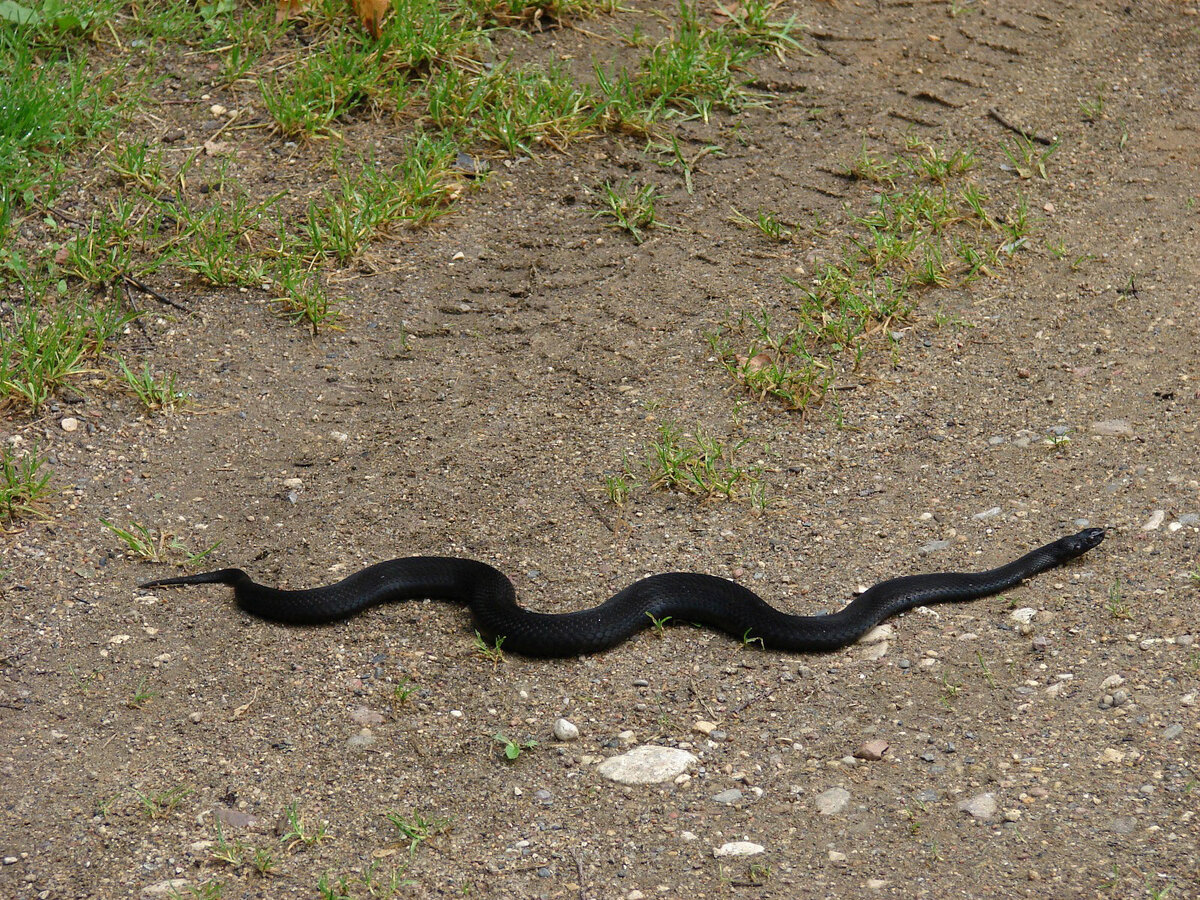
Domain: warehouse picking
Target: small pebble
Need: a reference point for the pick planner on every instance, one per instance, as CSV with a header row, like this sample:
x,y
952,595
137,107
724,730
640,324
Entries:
x,y
565,730
70,423
872,750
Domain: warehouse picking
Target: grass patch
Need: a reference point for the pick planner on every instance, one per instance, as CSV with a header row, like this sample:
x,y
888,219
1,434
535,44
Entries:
x,y
630,207
153,545
45,346
417,828
698,464
156,393
23,483
927,226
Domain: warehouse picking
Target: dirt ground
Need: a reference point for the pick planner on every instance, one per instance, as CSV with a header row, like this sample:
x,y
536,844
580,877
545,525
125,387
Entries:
x,y
494,368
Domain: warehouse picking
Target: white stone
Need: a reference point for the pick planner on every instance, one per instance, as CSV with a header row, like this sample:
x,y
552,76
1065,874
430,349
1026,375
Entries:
x,y
1155,521
565,730
738,848
876,651
648,764
877,634
70,423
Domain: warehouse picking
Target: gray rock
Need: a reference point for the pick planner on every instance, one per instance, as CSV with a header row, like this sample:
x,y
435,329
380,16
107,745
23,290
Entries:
x,y
1172,731
648,764
1112,427
982,806
733,795
832,801
934,546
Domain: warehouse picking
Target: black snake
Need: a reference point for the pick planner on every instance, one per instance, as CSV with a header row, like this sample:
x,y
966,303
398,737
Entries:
x,y
681,596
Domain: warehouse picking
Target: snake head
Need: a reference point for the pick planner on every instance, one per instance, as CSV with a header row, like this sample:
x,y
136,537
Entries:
x,y
1078,544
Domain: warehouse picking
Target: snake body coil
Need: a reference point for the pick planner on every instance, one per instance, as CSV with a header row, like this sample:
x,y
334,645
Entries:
x,y
681,596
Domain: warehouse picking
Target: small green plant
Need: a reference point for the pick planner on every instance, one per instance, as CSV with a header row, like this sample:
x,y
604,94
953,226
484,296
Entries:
x,y
631,208
140,696
299,832
770,225
301,297
137,164
417,828
1027,160
749,639
866,166
1092,107
403,690
1117,605
23,484
104,805
987,672
263,861
491,652
155,394
659,625
618,488
232,854
1057,440
205,890
759,873
671,155
163,803
145,543
512,749
950,691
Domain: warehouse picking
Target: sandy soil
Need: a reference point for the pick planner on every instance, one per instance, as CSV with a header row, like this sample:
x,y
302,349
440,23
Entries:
x,y
495,367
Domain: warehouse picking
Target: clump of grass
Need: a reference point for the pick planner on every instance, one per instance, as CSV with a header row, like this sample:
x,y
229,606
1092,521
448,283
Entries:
x,y
1027,160
23,483
157,394
630,207
417,828
618,488
53,102
922,230
697,464
161,804
214,240
768,224
300,833
491,652
48,345
372,199
154,545
301,297
517,109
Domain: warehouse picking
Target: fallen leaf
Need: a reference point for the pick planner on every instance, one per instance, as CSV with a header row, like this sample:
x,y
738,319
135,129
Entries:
x,y
285,9
372,13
